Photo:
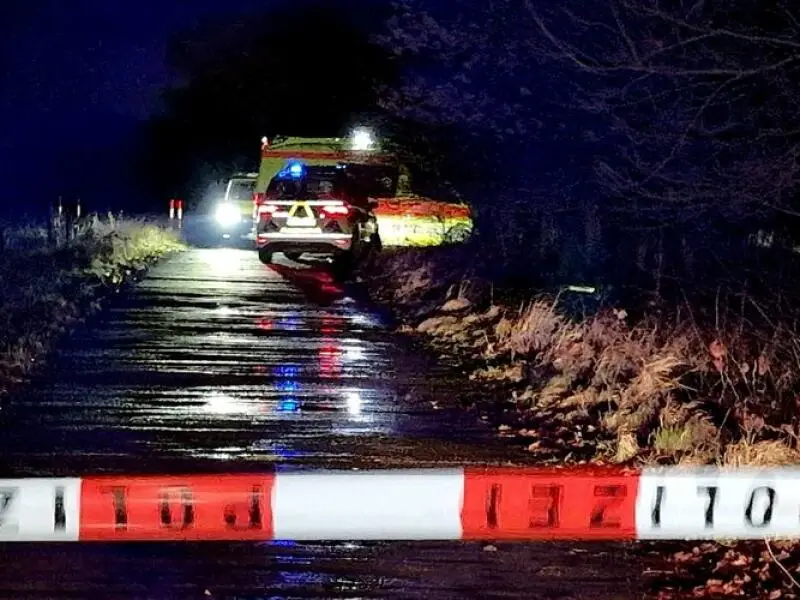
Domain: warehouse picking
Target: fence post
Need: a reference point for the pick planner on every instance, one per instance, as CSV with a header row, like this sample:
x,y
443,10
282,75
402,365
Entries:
x,y
67,221
70,220
51,224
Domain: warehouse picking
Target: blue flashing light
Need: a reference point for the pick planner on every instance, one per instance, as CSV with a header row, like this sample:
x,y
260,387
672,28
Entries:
x,y
296,169
293,169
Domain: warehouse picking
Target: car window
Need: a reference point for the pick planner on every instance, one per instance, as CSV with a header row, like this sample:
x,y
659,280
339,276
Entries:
x,y
312,186
377,181
241,191
281,188
316,186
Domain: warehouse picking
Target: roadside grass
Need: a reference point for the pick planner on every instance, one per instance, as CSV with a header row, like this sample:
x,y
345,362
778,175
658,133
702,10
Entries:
x,y
688,387
656,390
46,289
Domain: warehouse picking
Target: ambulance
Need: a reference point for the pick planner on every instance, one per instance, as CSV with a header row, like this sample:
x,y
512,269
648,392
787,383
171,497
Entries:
x,y
318,195
341,197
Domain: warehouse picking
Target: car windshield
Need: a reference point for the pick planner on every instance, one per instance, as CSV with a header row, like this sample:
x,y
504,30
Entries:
x,y
320,184
284,188
355,182
317,183
240,191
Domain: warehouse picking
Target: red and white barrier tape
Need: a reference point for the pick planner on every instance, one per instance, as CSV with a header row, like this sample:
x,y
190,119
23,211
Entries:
x,y
436,504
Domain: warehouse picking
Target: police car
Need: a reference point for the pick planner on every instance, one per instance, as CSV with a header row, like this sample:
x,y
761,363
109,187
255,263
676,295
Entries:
x,y
320,210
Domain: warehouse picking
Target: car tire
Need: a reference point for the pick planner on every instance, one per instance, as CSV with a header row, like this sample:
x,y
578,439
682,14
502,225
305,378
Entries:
x,y
265,255
294,256
376,245
358,246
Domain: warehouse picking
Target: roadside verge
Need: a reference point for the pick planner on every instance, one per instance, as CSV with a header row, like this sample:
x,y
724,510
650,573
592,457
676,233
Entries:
x,y
47,289
607,387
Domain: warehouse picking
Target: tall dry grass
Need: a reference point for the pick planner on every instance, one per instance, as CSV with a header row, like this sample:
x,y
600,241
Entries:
x,y
46,288
653,389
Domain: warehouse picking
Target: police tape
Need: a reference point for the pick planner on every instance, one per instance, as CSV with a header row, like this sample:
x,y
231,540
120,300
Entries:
x,y
420,504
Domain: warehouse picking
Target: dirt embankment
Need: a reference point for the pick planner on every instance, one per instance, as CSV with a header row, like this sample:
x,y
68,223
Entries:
x,y
48,288
608,388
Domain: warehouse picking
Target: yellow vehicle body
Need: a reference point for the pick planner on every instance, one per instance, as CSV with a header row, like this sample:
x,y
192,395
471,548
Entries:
x,y
417,221
403,220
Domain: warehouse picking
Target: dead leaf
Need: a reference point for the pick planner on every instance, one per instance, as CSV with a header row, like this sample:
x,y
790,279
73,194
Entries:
x,y
717,349
455,305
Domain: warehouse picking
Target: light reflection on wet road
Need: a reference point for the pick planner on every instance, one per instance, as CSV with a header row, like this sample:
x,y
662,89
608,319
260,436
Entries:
x,y
217,363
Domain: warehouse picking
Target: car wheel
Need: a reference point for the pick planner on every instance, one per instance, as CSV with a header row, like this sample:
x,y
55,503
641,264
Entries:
x,y
357,246
295,256
376,245
265,255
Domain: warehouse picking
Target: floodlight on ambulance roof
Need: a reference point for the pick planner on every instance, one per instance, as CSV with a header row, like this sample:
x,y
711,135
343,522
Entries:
x,y
362,139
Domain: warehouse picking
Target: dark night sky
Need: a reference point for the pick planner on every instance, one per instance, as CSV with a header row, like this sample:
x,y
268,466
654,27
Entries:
x,y
75,77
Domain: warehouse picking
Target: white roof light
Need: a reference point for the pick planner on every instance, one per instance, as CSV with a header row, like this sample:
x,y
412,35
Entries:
x,y
362,139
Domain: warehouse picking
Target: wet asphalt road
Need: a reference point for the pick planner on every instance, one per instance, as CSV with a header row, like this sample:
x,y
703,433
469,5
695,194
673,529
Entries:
x,y
216,363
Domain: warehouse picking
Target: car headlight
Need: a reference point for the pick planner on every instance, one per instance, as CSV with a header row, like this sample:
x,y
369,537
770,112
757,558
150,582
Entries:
x,y
228,214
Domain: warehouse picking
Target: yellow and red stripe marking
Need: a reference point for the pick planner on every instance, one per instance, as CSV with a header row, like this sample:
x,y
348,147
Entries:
x,y
416,221
425,504
332,156
413,206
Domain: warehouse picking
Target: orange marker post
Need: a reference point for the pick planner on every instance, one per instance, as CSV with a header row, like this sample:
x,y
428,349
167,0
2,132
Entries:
x,y
194,507
534,504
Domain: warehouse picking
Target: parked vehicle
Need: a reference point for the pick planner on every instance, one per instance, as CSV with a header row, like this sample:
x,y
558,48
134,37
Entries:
x,y
404,217
233,214
320,210
317,195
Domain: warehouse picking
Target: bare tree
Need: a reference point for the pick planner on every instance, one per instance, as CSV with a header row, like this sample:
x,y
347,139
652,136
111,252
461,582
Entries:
x,y
689,110
703,97
470,69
